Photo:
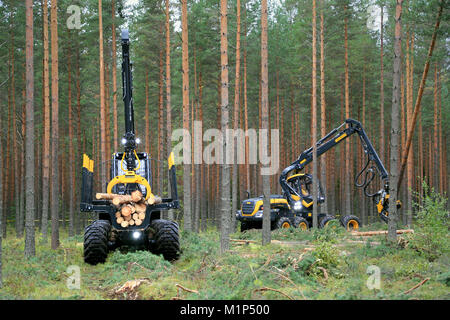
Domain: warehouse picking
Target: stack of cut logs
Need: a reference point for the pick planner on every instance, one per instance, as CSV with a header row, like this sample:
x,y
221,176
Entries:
x,y
130,207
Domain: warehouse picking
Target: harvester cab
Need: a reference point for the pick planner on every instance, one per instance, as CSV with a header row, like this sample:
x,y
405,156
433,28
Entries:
x,y
297,186
129,214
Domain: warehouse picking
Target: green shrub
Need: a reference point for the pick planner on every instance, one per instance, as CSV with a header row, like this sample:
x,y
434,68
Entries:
x,y
431,238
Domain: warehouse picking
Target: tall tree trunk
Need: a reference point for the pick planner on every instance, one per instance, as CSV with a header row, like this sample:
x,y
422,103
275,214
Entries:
x,y
15,187
363,196
266,236
11,101
323,125
347,115
420,151
395,125
237,85
71,153
161,137
186,142
29,145
247,164
168,97
315,172
202,166
79,218
382,157
409,111
435,131
114,77
54,199
102,151
107,117
147,114
225,167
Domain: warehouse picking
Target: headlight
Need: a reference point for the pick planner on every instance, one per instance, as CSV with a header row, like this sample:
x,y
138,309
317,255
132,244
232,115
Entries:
x,y
137,235
297,206
124,141
138,140
259,214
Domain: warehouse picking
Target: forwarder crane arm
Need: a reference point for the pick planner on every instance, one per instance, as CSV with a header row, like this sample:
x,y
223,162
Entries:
x,y
337,135
129,140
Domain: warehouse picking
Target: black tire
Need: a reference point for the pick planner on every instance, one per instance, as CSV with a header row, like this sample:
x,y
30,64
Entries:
x,y
167,239
283,223
96,242
244,226
351,222
325,220
300,222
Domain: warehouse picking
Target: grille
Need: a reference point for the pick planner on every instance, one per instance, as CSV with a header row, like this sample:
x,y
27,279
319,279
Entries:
x,y
247,208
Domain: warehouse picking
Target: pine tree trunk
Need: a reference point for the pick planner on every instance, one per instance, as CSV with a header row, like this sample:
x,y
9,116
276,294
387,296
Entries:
x,y
15,187
266,235
147,115
435,131
114,77
107,117
29,145
315,172
382,156
323,125
186,142
202,170
103,150
225,213
71,153
363,121
79,221
54,199
168,99
395,124
161,153
247,159
46,127
237,84
347,115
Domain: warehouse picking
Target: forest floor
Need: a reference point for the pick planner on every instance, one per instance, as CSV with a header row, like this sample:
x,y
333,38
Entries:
x,y
315,264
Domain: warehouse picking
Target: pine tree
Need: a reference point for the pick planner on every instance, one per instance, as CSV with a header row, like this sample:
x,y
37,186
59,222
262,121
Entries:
x,y
225,213
266,236
395,123
186,142
54,198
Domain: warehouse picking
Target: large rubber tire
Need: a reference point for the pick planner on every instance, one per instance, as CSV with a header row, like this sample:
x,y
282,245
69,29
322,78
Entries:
x,y
245,226
326,220
96,242
302,223
167,239
351,222
283,223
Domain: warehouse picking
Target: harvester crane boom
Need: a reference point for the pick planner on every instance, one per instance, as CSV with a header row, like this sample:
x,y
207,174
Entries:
x,y
129,139
333,138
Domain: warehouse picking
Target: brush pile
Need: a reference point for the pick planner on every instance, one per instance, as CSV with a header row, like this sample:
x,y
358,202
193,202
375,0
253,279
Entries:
x,y
131,208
